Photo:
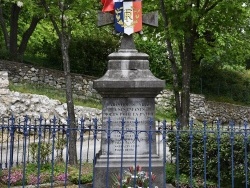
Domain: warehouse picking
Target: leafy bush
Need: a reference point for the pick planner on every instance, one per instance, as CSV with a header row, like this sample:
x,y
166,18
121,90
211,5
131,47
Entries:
x,y
44,148
87,55
233,86
226,140
86,175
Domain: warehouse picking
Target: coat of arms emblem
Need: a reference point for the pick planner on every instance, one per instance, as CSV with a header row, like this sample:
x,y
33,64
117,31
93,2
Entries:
x,y
128,17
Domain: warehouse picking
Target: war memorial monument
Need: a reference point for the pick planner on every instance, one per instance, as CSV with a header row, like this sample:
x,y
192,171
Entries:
x,y
128,91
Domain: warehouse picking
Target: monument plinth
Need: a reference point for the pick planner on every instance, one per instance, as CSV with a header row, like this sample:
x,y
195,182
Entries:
x,y
128,91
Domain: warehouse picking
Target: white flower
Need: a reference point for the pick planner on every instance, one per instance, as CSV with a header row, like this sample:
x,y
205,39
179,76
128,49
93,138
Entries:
x,y
19,4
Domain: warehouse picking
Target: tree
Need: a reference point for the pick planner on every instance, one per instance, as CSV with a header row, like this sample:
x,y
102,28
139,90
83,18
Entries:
x,y
192,25
10,12
65,15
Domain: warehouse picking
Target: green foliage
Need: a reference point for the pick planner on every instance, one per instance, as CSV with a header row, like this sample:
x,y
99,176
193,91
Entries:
x,y
233,86
86,175
184,180
44,148
227,141
166,112
152,46
88,55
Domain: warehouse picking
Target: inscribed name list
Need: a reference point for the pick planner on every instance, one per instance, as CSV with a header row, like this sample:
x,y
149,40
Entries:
x,y
129,109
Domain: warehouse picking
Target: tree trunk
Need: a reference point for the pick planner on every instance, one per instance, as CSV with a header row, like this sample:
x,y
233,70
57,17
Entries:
x,y
26,36
173,62
186,73
4,29
15,10
69,97
64,42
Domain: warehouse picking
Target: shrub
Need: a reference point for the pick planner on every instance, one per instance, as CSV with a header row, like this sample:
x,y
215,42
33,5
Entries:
x,y
44,148
85,177
226,142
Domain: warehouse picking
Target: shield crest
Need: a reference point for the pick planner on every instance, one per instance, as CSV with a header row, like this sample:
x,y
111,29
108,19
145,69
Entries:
x,y
128,17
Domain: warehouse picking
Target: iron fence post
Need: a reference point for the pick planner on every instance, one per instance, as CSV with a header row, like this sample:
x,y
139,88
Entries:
x,y
218,150
164,127
150,151
108,137
122,139
205,152
89,126
12,131
24,149
67,151
246,153
136,140
177,153
191,137
81,143
232,130
94,158
53,148
39,151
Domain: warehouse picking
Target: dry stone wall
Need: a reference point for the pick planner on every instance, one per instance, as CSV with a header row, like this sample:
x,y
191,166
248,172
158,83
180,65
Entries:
x,y
18,103
34,106
201,109
19,72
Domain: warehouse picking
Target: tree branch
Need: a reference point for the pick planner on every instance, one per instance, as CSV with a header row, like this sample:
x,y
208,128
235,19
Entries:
x,y
213,5
205,4
208,8
59,33
27,34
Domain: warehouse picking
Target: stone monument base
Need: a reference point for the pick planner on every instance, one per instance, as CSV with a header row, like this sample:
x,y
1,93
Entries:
x,y
104,174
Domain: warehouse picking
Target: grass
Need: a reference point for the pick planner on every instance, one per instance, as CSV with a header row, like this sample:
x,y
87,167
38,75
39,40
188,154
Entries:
x,y
53,93
59,94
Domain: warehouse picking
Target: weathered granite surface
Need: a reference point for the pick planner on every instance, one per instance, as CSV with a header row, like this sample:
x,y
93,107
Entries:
x,y
128,91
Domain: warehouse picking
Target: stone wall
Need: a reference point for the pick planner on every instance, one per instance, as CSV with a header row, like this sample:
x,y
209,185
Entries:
x,y
201,109
34,106
19,72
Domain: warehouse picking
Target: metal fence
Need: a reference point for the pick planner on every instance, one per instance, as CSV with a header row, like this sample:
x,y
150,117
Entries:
x,y
35,152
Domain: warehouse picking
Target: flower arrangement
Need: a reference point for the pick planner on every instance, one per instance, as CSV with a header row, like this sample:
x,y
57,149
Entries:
x,y
133,177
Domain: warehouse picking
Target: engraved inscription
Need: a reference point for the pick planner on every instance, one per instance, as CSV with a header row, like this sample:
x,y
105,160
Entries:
x,y
129,111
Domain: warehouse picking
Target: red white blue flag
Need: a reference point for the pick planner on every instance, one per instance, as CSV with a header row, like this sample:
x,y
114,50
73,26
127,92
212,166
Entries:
x,y
128,17
109,5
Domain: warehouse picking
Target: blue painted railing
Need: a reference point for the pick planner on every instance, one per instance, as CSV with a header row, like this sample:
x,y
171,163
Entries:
x,y
198,154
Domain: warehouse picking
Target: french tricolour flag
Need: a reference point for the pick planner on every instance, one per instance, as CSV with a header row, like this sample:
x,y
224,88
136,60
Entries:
x,y
108,5
128,17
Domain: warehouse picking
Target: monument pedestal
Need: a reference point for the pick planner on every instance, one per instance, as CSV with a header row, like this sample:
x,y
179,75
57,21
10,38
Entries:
x,y
128,91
